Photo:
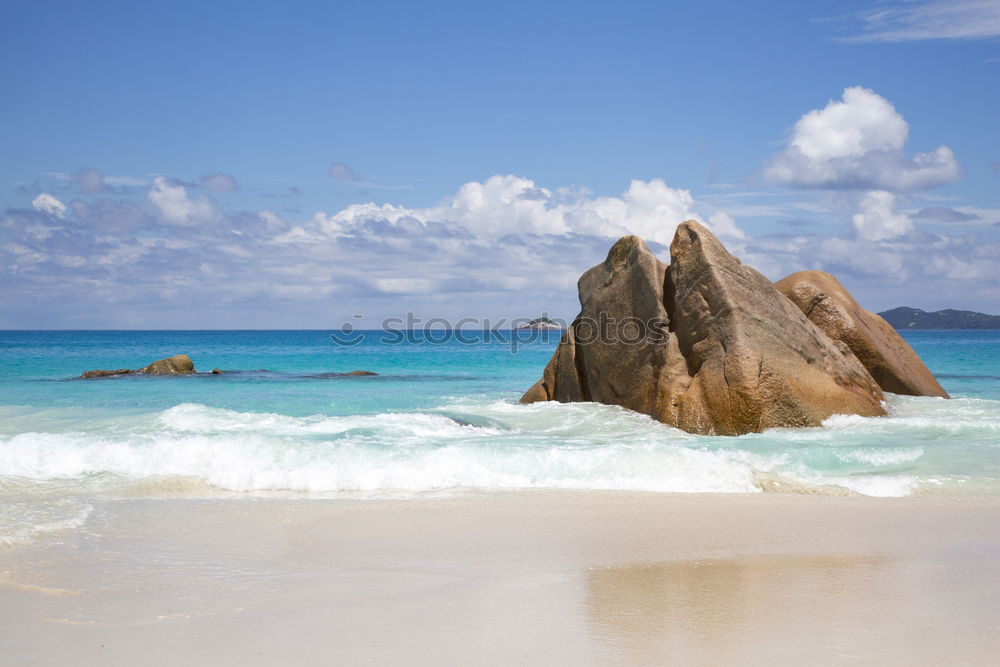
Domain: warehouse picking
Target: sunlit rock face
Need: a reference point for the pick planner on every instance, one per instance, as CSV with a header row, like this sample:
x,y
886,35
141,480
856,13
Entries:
x,y
706,344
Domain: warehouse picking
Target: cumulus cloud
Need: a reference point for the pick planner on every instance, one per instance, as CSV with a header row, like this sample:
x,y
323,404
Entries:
x,y
931,19
176,207
508,204
219,182
858,143
506,246
877,220
46,203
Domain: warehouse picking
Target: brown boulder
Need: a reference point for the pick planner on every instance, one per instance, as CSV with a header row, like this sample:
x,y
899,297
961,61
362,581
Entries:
x,y
604,355
705,344
179,364
103,374
876,344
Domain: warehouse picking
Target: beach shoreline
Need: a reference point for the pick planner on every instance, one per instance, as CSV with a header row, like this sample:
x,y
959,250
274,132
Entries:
x,y
528,577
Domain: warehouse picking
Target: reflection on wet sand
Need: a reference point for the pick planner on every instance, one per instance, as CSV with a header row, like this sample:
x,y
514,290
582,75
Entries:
x,y
829,608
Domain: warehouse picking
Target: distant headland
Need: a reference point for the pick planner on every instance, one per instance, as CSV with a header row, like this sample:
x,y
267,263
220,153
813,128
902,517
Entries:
x,y
913,318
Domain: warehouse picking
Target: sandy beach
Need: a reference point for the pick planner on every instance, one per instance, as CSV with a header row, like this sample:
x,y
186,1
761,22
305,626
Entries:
x,y
513,578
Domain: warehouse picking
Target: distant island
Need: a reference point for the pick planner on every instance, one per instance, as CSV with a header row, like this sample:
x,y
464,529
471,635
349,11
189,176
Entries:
x,y
540,323
914,318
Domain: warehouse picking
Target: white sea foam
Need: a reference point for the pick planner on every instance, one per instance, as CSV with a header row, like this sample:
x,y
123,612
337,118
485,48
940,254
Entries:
x,y
27,517
510,446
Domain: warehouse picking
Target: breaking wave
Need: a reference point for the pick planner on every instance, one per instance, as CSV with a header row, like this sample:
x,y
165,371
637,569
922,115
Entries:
x,y
493,446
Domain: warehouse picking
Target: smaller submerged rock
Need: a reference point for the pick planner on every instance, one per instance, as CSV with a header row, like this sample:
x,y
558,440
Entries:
x,y
216,371
103,374
362,373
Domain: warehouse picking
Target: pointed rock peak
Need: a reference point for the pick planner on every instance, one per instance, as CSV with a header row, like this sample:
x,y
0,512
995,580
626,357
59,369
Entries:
x,y
692,228
623,252
692,236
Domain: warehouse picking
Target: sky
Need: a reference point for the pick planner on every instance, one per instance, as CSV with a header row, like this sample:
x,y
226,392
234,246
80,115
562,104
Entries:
x,y
305,164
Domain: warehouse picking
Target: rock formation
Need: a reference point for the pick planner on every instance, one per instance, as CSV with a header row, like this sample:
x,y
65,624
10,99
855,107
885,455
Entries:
x,y
103,373
179,364
706,344
882,351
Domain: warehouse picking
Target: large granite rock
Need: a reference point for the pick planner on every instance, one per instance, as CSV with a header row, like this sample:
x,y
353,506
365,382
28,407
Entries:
x,y
705,344
179,364
607,354
888,358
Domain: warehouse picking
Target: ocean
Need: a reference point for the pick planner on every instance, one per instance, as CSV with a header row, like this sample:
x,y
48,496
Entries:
x,y
441,417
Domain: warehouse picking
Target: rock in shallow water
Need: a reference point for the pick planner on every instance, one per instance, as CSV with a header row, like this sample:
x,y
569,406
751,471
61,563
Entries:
x,y
103,373
706,344
179,364
882,351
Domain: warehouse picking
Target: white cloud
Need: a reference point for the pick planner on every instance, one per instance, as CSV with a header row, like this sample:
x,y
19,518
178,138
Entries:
x,y
877,220
857,143
862,122
46,203
508,204
175,206
502,247
934,19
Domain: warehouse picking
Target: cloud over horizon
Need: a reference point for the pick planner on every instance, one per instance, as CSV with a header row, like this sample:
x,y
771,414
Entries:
x,y
508,204
505,246
168,253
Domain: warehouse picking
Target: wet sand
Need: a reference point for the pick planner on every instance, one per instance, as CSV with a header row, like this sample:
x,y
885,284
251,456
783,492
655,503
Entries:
x,y
512,578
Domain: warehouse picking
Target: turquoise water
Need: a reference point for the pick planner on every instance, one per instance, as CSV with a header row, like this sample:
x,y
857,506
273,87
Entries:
x,y
441,416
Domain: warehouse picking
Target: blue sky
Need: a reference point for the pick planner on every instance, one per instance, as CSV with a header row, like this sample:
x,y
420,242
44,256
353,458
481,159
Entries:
x,y
251,164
